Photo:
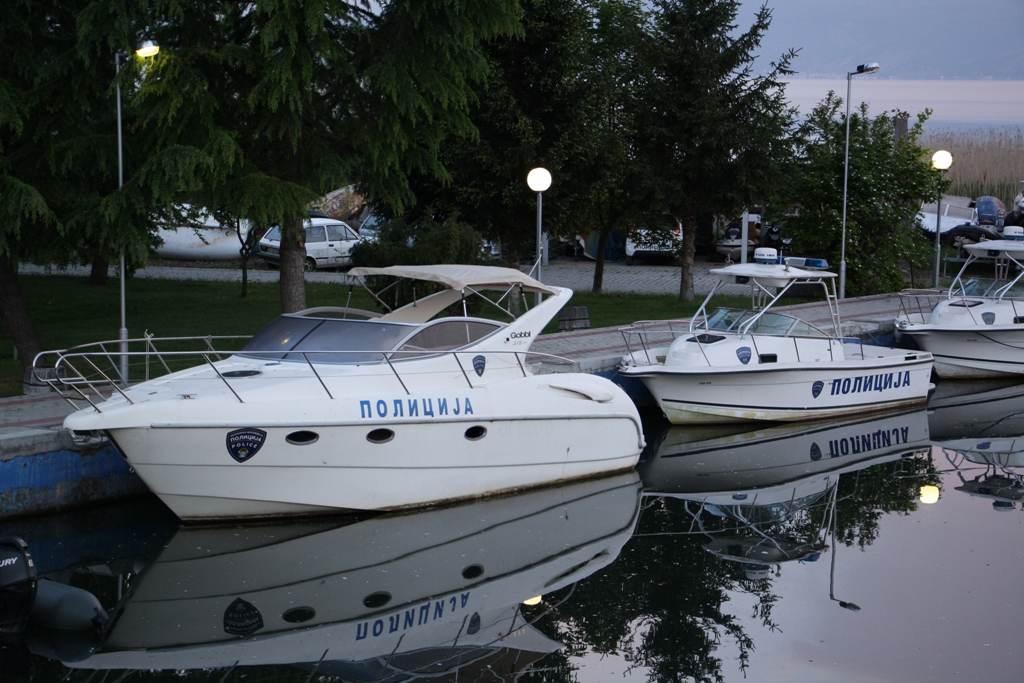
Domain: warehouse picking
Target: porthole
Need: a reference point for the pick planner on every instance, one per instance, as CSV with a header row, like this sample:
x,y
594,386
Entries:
x,y
473,571
476,432
298,615
241,373
302,437
380,435
378,599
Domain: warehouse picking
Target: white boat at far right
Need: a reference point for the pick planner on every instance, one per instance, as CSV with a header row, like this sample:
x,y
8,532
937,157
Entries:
x,y
977,329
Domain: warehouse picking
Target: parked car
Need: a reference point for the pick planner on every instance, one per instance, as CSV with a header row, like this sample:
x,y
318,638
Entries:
x,y
370,229
662,237
329,243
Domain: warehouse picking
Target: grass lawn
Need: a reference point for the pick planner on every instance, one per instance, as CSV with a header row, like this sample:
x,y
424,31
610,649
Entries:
x,y
68,311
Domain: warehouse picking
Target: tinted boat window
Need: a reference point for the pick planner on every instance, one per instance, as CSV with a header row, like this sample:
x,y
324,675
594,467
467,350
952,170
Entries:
x,y
446,335
360,340
280,335
322,339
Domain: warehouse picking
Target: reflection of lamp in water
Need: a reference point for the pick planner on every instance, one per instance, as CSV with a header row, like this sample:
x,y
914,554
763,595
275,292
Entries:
x,y
832,574
532,601
929,494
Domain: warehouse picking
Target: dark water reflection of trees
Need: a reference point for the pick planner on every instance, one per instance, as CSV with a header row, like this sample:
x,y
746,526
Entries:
x,y
662,605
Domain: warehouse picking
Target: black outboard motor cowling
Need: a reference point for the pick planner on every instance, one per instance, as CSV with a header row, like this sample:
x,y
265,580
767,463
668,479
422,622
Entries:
x,y
18,582
991,211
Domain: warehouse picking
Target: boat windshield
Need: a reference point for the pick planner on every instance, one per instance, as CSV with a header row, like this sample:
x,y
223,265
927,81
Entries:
x,y
325,341
732,319
988,287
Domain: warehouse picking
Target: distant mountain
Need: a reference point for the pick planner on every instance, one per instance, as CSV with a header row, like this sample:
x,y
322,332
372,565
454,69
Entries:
x,y
910,39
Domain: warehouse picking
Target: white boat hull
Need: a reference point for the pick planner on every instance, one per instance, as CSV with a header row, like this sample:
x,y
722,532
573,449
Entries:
x,y
370,452
973,353
784,394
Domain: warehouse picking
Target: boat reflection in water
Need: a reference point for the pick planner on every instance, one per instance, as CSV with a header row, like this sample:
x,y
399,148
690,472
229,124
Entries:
x,y
981,434
394,597
769,496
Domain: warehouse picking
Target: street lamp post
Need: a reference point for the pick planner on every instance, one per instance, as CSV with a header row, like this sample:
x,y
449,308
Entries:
x,y
539,180
869,68
146,48
940,160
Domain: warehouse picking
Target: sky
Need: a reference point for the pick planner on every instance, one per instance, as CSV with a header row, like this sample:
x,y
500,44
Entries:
x,y
910,39
963,59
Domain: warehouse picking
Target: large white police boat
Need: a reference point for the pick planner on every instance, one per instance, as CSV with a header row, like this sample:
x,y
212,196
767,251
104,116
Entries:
x,y
320,411
761,364
977,329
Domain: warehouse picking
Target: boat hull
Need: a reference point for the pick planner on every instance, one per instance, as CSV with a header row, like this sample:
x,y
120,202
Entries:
x,y
375,452
711,395
973,353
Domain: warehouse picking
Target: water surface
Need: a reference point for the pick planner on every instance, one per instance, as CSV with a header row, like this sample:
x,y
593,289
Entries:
x,y
783,553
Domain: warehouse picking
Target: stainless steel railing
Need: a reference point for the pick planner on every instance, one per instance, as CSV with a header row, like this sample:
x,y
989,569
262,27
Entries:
x,y
90,374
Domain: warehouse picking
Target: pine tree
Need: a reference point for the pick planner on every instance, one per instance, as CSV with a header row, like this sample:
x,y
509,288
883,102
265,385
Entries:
x,y
715,133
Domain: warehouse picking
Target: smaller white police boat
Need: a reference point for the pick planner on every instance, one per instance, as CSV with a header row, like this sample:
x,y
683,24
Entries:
x,y
761,364
977,329
337,409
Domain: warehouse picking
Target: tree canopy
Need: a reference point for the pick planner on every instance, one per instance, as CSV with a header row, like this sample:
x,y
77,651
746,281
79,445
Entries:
x,y
889,178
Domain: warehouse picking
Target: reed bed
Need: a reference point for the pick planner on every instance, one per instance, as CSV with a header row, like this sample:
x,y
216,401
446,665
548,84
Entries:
x,y
986,161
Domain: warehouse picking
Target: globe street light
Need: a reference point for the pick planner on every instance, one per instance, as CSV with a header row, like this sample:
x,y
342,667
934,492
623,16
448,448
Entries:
x,y
869,68
940,160
146,48
539,180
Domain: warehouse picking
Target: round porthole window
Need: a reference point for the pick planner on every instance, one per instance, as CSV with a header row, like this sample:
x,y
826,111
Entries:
x,y
299,615
473,571
476,432
378,599
302,438
241,373
380,436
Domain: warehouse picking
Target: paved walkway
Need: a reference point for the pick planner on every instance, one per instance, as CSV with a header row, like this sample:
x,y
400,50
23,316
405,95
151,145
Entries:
x,y
563,272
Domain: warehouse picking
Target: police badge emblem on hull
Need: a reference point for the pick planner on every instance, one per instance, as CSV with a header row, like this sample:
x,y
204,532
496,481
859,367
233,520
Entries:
x,y
244,443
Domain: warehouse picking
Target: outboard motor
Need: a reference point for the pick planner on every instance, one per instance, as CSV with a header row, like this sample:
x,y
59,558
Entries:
x,y
772,237
1013,232
18,583
991,211
1016,217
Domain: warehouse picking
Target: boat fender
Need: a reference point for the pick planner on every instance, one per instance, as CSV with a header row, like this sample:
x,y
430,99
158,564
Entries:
x,y
591,391
67,608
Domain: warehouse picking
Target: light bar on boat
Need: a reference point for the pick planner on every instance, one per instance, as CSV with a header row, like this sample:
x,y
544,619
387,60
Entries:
x,y
771,256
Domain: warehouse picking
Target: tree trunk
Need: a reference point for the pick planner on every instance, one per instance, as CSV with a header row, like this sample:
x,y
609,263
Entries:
x,y
686,293
293,260
15,313
244,250
602,246
98,271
